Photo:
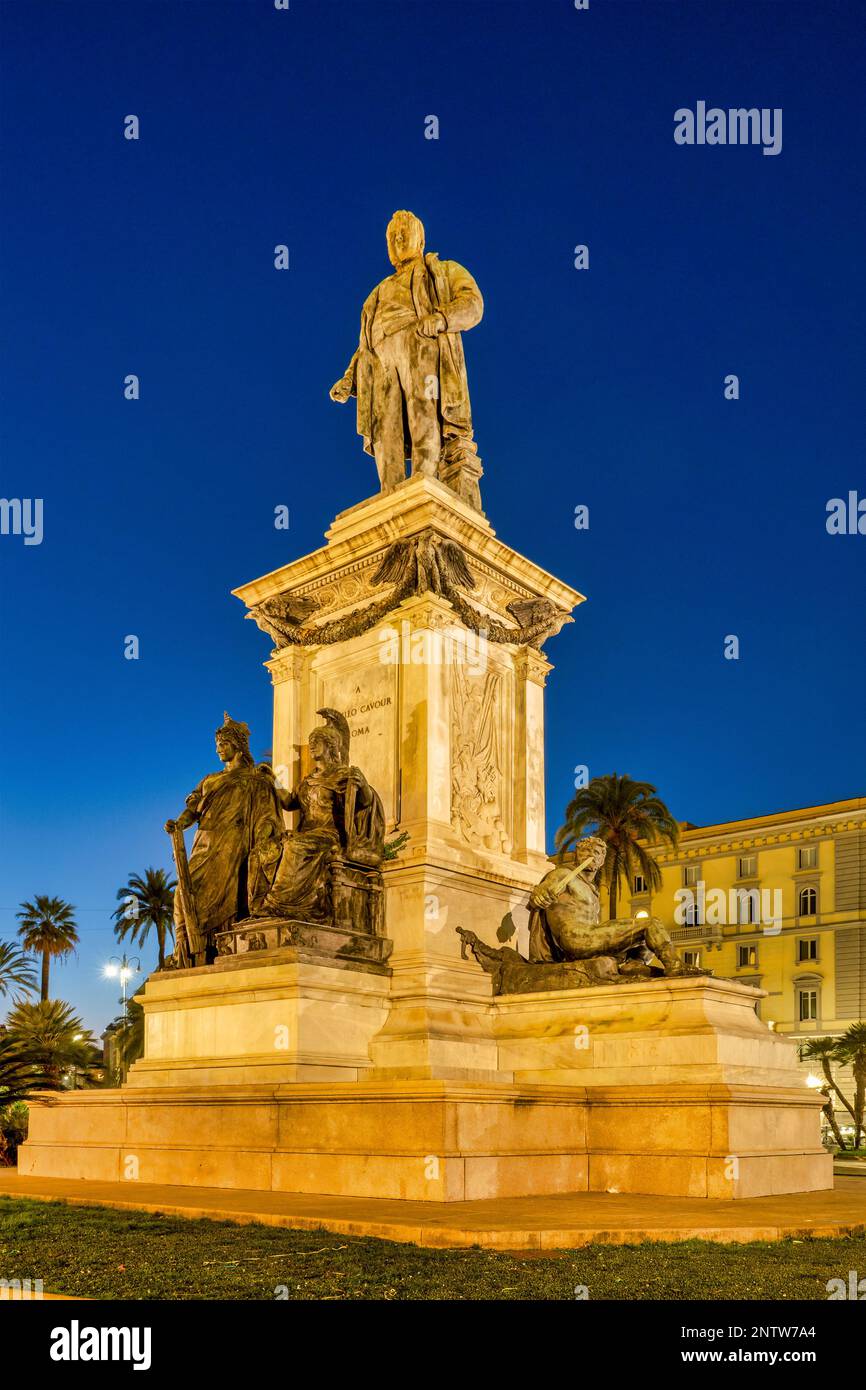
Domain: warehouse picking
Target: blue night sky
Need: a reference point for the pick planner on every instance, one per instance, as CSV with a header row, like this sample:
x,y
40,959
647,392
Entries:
x,y
601,387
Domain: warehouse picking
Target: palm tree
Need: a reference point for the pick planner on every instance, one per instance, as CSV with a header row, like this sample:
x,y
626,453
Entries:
x,y
48,928
13,1131
826,1051
626,815
15,969
829,1116
53,1039
851,1051
144,903
127,1034
18,1079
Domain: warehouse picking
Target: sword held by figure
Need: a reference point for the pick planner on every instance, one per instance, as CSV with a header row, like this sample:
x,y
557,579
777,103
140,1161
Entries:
x,y
188,938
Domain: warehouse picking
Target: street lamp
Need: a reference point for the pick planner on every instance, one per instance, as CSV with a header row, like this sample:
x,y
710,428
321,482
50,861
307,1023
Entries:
x,y
122,968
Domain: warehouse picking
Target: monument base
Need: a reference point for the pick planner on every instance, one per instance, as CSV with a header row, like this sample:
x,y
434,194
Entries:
x,y
434,1140
671,1088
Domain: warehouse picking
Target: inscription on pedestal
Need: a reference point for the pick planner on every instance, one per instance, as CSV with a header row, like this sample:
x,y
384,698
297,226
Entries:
x,y
368,696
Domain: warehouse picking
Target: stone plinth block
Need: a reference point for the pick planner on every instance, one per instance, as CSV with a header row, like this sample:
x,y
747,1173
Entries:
x,y
648,1033
706,1140
276,1016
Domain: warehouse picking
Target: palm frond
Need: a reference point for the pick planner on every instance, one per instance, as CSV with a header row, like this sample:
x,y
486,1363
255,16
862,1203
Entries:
x,y
627,814
15,969
48,926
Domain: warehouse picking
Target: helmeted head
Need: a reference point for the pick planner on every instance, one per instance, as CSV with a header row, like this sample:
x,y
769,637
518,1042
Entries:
x,y
233,737
326,748
405,237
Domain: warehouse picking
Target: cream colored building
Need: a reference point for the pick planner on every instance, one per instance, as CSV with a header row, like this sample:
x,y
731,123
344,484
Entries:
x,y
778,901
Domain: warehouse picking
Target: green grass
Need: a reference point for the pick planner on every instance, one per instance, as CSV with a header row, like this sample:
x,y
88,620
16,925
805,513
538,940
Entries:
x,y
99,1253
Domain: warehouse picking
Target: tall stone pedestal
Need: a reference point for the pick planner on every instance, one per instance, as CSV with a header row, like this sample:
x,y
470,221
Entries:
x,y
416,627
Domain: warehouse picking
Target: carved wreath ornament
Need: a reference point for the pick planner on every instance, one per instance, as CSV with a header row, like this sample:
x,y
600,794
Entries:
x,y
422,564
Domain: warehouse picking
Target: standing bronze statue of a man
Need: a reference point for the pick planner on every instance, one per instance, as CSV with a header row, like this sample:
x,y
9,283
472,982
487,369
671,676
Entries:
x,y
409,372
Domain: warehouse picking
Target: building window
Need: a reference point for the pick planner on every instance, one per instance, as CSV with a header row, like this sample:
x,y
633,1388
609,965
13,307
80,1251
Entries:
x,y
747,957
747,866
807,902
639,884
807,948
692,958
807,857
747,905
807,1009
691,874
693,915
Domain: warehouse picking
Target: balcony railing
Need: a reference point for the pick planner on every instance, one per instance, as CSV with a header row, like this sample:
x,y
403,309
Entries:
x,y
696,933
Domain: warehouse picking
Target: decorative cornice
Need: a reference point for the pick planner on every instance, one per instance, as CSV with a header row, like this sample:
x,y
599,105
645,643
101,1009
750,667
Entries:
x,y
425,564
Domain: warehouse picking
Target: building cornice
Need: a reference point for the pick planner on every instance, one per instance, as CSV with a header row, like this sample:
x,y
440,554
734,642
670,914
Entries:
x,y
791,827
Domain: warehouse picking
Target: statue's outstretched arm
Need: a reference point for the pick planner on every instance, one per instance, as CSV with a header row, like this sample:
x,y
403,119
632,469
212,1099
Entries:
x,y
554,884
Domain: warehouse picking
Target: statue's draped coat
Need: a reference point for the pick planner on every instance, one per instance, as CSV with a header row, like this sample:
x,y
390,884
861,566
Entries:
x,y
437,287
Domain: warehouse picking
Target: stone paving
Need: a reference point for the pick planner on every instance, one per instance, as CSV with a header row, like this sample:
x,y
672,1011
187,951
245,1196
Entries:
x,y
520,1223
